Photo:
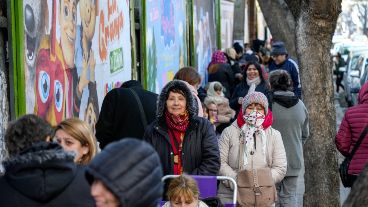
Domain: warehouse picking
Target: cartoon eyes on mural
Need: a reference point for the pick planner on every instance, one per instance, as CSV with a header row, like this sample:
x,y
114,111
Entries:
x,y
66,13
29,18
58,95
44,86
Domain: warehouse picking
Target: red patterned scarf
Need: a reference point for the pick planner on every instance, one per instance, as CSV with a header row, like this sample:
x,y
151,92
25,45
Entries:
x,y
177,122
177,125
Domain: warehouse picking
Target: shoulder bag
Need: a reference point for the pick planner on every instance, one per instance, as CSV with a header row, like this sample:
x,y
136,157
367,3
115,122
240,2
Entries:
x,y
140,106
347,179
255,187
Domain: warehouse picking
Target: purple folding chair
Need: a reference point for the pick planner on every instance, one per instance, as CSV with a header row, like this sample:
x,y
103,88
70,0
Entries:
x,y
208,186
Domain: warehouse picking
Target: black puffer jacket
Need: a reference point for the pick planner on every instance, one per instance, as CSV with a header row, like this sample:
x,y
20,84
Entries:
x,y
200,152
222,73
44,176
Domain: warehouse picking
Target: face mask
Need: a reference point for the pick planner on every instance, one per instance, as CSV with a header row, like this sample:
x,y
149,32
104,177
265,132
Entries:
x,y
254,118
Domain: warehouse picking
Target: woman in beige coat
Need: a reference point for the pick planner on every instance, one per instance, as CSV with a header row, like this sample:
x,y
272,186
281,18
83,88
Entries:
x,y
262,141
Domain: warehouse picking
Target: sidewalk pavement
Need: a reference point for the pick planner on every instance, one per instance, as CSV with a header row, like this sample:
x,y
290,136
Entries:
x,y
340,106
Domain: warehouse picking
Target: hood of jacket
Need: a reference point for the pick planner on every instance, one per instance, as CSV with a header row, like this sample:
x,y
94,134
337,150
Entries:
x,y
131,169
363,94
41,172
285,98
192,106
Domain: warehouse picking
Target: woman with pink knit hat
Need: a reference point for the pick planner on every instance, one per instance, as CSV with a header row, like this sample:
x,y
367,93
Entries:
x,y
219,70
251,143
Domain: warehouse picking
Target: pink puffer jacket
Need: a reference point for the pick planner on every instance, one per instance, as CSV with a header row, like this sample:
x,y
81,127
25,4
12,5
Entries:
x,y
352,125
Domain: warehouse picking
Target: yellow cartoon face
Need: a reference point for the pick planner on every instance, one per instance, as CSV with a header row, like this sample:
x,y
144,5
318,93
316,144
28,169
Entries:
x,y
67,21
88,17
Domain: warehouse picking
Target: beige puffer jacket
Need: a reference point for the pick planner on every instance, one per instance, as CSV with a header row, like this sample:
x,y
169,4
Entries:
x,y
229,154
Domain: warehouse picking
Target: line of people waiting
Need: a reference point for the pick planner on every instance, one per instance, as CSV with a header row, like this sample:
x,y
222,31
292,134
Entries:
x,y
220,136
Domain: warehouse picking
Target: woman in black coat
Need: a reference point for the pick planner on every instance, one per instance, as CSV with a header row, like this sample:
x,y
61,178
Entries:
x,y
185,142
253,81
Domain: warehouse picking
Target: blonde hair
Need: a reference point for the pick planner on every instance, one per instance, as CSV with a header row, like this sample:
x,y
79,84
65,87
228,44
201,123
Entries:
x,y
82,132
183,186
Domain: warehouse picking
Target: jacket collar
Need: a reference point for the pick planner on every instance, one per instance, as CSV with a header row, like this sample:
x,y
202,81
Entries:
x,y
41,172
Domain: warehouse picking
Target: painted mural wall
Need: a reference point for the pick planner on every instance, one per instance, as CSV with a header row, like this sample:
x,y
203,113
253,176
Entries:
x,y
205,34
75,51
227,23
166,44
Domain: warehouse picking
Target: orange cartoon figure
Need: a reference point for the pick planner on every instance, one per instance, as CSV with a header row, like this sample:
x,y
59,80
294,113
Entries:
x,y
51,78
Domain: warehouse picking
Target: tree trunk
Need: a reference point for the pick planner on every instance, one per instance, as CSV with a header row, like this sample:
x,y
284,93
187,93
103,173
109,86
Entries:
x,y
4,106
315,26
281,23
312,27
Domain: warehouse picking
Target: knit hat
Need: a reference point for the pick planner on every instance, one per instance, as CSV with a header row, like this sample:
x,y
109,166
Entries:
x,y
278,48
131,170
255,97
218,57
231,53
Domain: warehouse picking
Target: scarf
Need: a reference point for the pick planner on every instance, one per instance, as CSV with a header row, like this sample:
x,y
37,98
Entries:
x,y
253,84
211,90
177,125
251,127
177,122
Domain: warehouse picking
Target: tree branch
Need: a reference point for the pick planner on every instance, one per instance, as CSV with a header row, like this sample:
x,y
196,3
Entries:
x,y
281,22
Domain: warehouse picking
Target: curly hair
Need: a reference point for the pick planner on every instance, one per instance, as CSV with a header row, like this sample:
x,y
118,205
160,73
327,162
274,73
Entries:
x,y
25,131
280,80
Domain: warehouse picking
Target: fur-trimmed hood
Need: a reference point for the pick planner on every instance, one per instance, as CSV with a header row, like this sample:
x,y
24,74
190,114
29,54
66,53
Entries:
x,y
41,172
192,106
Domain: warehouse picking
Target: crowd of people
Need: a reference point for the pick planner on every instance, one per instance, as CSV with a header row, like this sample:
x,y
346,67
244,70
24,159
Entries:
x,y
248,118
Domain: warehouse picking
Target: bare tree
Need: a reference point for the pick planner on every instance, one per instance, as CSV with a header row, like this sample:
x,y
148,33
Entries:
x,y
362,8
308,27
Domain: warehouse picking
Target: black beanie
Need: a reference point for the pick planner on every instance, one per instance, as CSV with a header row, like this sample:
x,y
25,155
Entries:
x,y
131,170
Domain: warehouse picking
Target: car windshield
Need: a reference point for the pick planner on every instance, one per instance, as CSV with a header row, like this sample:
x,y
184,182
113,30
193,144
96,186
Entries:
x,y
354,62
359,63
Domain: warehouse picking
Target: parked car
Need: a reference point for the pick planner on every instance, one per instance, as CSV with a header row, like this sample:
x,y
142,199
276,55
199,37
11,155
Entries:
x,y
357,77
351,62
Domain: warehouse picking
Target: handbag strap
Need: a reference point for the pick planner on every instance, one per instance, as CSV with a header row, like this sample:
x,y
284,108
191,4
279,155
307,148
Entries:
x,y
141,110
241,154
356,146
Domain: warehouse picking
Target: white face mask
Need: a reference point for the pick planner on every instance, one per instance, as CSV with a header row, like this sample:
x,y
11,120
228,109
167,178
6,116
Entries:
x,y
254,118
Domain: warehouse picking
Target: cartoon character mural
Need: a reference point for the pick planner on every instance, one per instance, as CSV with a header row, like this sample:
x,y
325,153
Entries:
x,y
166,46
51,77
35,24
85,58
84,54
